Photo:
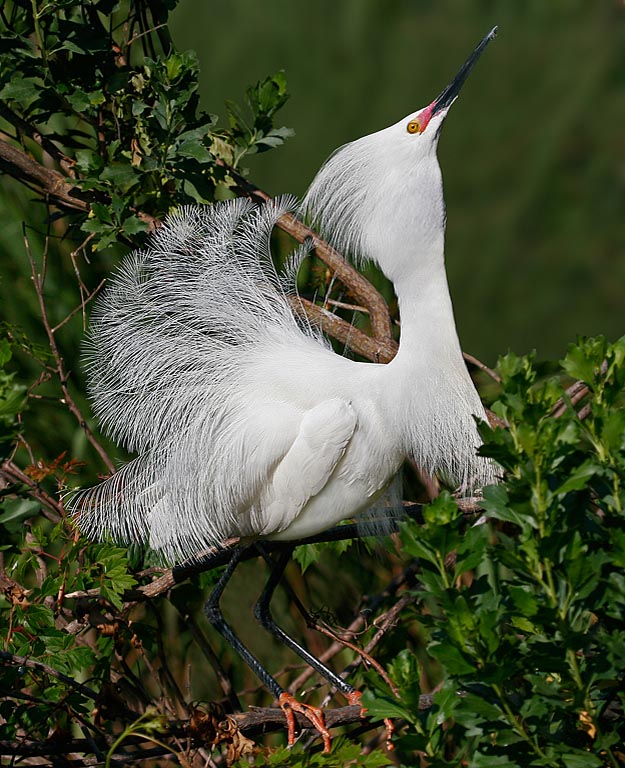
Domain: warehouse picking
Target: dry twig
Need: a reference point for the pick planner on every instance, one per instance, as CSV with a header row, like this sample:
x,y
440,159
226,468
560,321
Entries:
x,y
59,366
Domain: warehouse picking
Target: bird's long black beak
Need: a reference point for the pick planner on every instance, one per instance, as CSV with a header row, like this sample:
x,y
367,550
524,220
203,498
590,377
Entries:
x,y
453,89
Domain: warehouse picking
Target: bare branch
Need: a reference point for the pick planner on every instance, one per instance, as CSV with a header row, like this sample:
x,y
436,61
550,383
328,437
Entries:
x,y
38,137
22,167
375,349
482,366
358,285
576,392
59,365
81,306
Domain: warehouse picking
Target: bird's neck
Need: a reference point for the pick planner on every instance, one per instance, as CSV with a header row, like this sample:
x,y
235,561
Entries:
x,y
434,401
428,329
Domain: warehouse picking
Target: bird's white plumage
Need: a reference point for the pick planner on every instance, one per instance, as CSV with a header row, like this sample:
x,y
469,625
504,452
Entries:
x,y
245,421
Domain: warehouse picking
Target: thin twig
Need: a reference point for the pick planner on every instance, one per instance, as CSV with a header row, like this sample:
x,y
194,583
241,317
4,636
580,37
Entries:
x,y
81,285
81,306
224,681
145,32
59,366
363,655
482,366
386,622
14,475
356,626
344,305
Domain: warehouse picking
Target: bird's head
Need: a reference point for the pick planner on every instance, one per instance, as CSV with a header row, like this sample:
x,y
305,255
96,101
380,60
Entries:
x,y
385,189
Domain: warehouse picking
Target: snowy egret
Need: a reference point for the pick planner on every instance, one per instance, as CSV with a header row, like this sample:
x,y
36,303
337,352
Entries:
x,y
245,422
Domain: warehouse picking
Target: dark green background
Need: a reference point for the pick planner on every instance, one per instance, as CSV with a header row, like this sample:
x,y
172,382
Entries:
x,y
533,153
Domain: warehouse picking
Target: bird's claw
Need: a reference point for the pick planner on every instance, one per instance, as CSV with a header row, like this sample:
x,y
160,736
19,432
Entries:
x,y
289,705
354,699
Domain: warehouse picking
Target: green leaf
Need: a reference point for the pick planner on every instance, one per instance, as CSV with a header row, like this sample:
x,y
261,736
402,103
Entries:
x,y
581,759
451,658
194,149
18,509
306,555
133,225
482,760
380,708
21,89
497,504
124,177
583,360
524,600
5,352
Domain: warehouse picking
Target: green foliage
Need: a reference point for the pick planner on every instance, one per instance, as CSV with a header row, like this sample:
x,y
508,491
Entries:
x,y
12,398
307,554
525,613
522,614
258,134
124,115
344,754
35,623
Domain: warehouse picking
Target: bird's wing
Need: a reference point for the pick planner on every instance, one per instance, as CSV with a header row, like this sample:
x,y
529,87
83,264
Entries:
x,y
323,437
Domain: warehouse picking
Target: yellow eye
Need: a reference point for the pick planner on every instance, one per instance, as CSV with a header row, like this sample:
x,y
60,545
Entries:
x,y
414,126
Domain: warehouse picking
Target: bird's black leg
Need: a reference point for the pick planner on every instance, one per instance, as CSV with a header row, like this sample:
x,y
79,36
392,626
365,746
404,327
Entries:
x,y
288,704
263,615
216,618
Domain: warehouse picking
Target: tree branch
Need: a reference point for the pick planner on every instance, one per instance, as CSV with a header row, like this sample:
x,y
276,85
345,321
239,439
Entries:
x,y
358,285
38,282
379,348
374,349
22,167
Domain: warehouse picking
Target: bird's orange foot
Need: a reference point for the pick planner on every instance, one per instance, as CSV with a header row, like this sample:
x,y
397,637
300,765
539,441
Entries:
x,y
354,699
290,705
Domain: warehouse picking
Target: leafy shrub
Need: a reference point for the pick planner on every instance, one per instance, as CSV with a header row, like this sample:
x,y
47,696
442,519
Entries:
x,y
525,613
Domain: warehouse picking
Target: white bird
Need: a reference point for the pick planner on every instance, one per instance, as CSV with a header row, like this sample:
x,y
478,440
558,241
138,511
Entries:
x,y
245,422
